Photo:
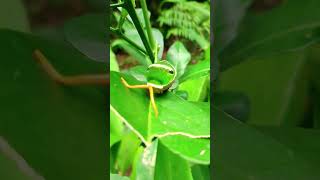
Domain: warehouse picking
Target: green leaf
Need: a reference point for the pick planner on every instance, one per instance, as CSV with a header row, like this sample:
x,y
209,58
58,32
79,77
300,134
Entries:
x,y
179,56
133,35
138,72
140,17
304,142
12,165
234,103
128,147
50,33
281,103
15,21
116,129
144,166
170,165
202,41
118,177
193,150
176,115
127,24
228,15
112,158
242,153
87,33
201,69
197,88
158,37
131,50
60,131
113,62
201,172
280,29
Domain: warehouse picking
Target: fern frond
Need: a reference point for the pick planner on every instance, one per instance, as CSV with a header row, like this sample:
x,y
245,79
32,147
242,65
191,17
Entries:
x,y
188,19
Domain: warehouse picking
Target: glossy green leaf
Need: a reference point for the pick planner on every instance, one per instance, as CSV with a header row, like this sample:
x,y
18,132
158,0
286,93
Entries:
x,y
144,167
15,21
182,94
113,62
179,57
193,150
136,162
118,177
60,131
122,102
162,162
131,50
197,88
134,36
140,17
176,115
127,24
198,70
138,72
201,69
242,152
278,104
170,165
277,30
116,129
128,147
88,34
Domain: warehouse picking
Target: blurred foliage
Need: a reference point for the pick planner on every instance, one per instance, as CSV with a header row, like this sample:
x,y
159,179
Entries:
x,y
18,21
268,52
188,19
47,130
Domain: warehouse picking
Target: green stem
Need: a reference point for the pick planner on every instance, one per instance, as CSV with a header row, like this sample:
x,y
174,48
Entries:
x,y
124,14
128,5
120,4
148,25
121,35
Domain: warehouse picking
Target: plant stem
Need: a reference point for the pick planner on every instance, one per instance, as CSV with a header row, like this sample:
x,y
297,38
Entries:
x,y
124,14
132,13
120,4
148,25
121,35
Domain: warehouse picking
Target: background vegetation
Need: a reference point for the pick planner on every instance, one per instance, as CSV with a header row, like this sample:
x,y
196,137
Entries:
x,y
49,131
266,95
